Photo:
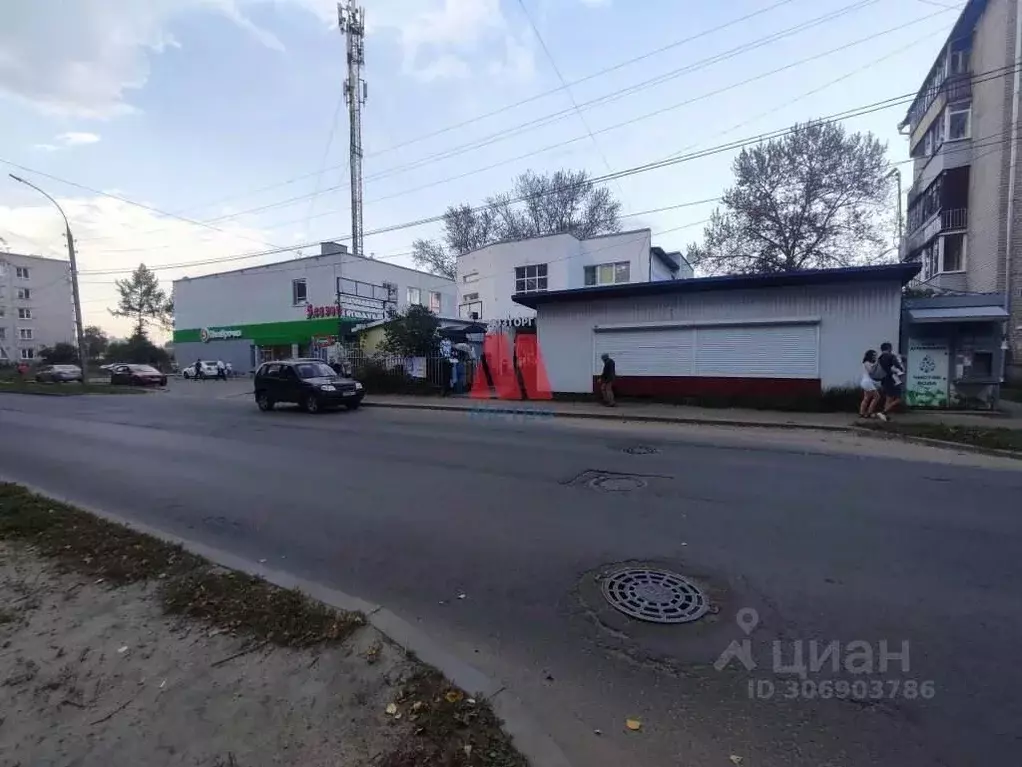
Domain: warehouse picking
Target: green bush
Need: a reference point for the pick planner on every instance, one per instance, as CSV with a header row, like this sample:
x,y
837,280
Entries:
x,y
378,378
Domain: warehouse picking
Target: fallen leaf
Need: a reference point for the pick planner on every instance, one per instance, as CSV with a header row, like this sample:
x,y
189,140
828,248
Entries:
x,y
471,701
633,724
461,596
417,705
397,715
468,751
392,708
454,696
122,650
735,759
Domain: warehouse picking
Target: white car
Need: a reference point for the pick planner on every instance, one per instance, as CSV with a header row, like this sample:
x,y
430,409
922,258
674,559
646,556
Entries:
x,y
207,369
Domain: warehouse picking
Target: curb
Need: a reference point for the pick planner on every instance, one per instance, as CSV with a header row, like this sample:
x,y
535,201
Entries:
x,y
960,447
529,738
619,418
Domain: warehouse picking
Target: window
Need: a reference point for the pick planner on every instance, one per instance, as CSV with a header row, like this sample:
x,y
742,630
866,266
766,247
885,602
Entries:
x,y
24,294
471,311
434,301
415,296
3,334
21,272
3,312
530,279
384,292
28,353
953,256
24,314
958,62
466,297
25,334
299,292
608,274
959,121
470,278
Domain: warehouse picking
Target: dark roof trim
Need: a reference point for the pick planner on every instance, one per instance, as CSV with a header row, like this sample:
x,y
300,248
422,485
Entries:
x,y
901,273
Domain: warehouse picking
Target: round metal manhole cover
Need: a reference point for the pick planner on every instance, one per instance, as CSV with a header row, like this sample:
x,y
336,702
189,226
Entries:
x,y
617,484
641,450
653,595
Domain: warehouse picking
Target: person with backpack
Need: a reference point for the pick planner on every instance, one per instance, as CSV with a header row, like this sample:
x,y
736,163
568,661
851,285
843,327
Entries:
x,y
890,373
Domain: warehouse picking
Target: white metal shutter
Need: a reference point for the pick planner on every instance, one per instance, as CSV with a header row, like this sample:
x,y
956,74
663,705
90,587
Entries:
x,y
766,351
654,352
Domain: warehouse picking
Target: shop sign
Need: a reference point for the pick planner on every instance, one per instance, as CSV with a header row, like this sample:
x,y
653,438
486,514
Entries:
x,y
218,334
496,326
359,308
927,384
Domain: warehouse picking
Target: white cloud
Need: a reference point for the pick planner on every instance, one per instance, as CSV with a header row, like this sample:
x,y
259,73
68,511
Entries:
x,y
84,58
46,147
113,235
77,138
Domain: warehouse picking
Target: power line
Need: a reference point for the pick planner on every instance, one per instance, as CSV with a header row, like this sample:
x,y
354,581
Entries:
x,y
562,114
592,134
515,105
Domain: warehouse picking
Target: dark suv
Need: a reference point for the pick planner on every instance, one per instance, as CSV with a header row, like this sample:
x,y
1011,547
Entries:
x,y
310,384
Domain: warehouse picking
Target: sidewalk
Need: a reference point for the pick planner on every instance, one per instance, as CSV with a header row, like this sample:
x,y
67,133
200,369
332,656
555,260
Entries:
x,y
661,413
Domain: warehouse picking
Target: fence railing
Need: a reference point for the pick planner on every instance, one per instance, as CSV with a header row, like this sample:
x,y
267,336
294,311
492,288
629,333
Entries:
x,y
395,373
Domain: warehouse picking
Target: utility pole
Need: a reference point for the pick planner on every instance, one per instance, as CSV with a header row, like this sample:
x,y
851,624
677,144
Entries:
x,y
79,331
351,18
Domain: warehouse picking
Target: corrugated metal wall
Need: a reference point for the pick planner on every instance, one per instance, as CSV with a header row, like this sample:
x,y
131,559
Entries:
x,y
853,318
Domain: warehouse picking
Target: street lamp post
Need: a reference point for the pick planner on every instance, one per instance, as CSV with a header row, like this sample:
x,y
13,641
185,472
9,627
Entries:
x,y
79,330
896,172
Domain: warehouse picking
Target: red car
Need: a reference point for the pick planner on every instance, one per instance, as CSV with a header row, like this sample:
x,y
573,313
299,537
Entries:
x,y
136,375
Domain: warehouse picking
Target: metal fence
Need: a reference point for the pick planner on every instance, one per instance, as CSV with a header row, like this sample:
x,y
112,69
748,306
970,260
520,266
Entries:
x,y
394,373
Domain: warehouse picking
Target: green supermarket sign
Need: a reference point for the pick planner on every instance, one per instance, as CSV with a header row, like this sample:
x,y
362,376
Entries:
x,y
218,334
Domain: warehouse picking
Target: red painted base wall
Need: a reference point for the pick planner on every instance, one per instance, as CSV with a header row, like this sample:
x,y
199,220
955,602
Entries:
x,y
684,386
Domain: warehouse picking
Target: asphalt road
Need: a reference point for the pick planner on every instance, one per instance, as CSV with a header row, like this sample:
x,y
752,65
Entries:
x,y
828,540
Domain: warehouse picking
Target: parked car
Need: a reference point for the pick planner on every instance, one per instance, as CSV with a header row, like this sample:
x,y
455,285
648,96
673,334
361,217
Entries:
x,y
136,375
58,373
207,369
310,384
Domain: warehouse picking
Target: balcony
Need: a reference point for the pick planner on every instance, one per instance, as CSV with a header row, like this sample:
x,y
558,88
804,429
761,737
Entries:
x,y
955,219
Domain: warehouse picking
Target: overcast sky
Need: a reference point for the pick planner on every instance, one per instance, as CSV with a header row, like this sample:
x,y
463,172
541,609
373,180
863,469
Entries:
x,y
210,108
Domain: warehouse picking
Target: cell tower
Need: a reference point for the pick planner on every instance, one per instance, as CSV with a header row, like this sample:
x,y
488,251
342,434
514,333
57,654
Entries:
x,y
351,19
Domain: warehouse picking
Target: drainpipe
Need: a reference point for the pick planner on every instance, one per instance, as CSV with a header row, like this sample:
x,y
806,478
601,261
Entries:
x,y
1012,165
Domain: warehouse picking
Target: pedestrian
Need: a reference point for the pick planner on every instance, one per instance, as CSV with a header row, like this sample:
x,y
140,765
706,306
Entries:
x,y
221,371
869,384
230,370
198,370
607,380
891,372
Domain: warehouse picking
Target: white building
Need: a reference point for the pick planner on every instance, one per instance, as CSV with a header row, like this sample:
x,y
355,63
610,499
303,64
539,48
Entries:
x,y
35,306
762,336
294,308
489,276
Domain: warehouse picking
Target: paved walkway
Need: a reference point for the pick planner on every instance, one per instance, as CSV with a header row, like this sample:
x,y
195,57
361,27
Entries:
x,y
641,411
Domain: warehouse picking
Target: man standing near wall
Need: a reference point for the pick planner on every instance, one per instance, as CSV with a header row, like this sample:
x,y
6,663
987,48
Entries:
x,y
607,380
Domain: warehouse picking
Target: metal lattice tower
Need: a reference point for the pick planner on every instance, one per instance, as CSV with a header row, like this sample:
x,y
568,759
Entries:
x,y
351,18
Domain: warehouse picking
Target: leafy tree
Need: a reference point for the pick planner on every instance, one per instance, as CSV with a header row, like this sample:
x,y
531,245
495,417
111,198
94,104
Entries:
x,y
537,204
59,354
138,350
142,299
815,198
96,342
412,334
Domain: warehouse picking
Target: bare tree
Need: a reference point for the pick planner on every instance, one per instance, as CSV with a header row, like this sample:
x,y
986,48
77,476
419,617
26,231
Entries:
x,y
815,198
565,201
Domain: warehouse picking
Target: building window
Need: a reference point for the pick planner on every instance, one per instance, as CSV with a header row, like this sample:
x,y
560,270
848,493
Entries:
x,y
470,278
434,301
530,279
3,334
959,123
299,292
24,314
467,297
953,255
384,292
415,296
608,274
25,334
21,272
24,294
471,311
28,353
3,312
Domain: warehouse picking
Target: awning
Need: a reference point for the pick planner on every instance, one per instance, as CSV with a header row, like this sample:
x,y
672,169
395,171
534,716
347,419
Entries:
x,y
959,314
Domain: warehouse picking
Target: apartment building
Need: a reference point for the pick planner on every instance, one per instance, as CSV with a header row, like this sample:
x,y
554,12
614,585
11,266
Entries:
x,y
298,307
488,277
964,212
35,306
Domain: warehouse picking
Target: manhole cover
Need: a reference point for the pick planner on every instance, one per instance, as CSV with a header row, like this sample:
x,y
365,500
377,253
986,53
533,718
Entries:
x,y
657,596
641,450
621,483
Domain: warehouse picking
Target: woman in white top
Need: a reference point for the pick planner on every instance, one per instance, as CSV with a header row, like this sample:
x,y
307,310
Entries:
x,y
870,389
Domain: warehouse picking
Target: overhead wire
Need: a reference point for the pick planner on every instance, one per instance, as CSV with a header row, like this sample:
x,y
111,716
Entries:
x,y
616,126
